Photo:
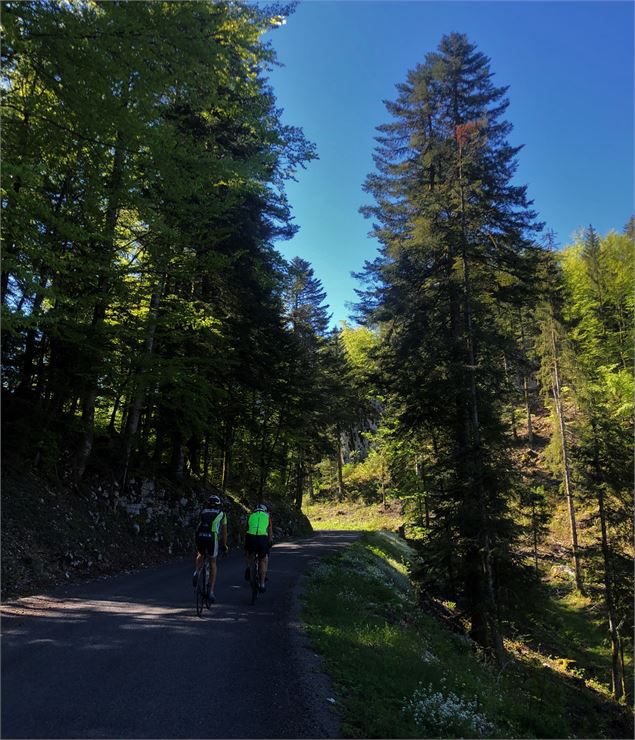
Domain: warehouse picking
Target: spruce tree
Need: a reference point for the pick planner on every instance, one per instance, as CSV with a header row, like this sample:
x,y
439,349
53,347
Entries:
x,y
455,233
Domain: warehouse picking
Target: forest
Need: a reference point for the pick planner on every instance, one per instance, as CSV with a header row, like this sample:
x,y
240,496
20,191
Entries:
x,y
151,324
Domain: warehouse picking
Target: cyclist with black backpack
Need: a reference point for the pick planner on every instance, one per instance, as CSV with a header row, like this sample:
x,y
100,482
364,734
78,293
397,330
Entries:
x,y
211,534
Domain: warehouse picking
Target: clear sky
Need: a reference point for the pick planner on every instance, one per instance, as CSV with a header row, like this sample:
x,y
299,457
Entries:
x,y
569,66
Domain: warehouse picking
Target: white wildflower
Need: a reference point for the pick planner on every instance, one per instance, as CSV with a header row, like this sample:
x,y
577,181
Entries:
x,y
441,711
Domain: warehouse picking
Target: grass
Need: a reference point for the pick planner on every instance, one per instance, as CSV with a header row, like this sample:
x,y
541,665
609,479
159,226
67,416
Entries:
x,y
353,515
398,673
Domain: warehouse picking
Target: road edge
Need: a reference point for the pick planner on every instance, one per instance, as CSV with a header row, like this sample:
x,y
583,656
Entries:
x,y
315,684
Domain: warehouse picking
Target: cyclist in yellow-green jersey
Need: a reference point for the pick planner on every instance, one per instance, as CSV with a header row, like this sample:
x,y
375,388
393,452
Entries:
x,y
258,539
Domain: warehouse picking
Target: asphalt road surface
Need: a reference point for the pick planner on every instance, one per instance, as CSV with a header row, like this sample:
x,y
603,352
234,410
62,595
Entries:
x,y
127,657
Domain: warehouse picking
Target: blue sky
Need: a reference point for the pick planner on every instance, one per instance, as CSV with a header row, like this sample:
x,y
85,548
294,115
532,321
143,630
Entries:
x,y
569,66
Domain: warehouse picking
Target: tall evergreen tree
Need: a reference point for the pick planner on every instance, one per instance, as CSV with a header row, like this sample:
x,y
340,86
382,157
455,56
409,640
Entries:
x,y
455,248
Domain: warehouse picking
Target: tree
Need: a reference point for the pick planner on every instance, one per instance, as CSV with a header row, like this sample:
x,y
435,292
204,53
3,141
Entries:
x,y
454,234
142,294
599,276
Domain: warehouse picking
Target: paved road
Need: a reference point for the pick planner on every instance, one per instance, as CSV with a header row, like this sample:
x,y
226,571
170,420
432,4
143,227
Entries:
x,y
127,657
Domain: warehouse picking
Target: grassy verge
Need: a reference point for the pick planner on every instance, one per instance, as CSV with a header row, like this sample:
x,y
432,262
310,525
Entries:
x,y
399,673
351,515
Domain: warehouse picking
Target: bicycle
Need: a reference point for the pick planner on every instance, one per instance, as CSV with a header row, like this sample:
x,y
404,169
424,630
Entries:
x,y
254,575
202,583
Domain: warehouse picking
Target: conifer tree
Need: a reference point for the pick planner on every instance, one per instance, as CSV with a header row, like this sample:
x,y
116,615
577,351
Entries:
x,y
454,233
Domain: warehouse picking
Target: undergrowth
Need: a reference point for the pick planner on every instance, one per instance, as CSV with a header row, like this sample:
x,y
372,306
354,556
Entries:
x,y
353,515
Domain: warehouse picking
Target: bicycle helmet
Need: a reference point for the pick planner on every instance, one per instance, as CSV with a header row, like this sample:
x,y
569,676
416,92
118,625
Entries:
x,y
213,501
261,507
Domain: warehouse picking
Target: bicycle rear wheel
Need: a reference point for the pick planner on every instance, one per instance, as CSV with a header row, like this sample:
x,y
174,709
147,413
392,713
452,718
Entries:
x,y
255,579
207,582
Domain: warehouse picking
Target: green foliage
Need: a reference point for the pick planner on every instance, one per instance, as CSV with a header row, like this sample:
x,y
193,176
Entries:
x,y
142,295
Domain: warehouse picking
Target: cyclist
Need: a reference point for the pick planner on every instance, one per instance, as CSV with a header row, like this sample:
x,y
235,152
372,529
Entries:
x,y
212,527
258,539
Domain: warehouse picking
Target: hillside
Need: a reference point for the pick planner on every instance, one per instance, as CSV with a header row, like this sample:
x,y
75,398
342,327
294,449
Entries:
x,y
557,682
406,655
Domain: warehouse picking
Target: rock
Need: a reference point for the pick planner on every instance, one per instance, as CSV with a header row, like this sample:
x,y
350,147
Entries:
x,y
147,488
136,528
428,657
562,571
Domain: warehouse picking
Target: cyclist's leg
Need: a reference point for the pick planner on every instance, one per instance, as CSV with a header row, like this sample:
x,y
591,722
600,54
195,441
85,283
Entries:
x,y
204,544
264,562
198,561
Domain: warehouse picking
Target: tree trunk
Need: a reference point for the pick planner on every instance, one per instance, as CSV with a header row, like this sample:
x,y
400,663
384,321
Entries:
x,y
311,483
113,415
140,386
534,526
484,596
263,461
530,432
206,457
299,481
193,447
101,306
557,396
227,456
608,574
511,396
177,459
340,475
88,403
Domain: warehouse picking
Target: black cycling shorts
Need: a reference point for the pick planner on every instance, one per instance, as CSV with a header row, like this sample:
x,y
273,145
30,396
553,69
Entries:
x,y
206,542
257,543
